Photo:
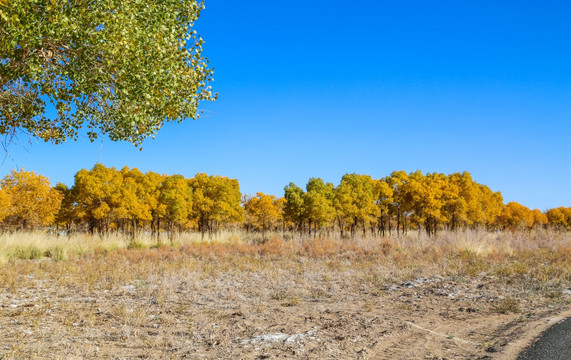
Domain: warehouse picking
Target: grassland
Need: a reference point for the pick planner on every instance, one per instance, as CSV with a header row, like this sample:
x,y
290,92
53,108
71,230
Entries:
x,y
457,295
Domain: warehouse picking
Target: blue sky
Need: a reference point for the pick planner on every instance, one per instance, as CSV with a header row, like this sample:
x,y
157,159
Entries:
x,y
322,88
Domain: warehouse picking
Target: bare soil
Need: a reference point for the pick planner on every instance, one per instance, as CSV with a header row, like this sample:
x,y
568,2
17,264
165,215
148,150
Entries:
x,y
154,305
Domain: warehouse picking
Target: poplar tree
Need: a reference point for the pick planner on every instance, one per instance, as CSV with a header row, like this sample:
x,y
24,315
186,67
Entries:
x,y
318,204
355,202
293,208
262,211
32,202
120,68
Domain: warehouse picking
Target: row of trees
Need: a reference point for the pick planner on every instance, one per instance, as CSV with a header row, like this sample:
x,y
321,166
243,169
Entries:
x,y
106,199
397,202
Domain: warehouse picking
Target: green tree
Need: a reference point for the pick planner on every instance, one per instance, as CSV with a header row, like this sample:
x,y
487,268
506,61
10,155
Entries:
x,y
122,67
318,205
293,208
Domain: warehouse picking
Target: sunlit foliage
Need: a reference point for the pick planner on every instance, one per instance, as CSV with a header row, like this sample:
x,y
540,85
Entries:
x,y
263,212
175,199
355,202
294,208
216,202
106,199
318,204
120,67
29,200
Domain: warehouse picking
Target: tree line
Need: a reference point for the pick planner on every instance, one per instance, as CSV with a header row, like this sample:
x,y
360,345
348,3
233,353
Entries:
x,y
107,200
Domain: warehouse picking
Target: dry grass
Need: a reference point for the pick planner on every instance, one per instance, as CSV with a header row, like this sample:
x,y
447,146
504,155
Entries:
x,y
540,255
110,297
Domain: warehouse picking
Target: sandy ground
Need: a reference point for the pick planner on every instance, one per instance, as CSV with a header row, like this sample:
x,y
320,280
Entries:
x,y
264,309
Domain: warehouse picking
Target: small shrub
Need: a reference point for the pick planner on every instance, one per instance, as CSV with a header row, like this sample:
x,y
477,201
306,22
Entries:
x,y
57,254
135,244
28,253
279,295
386,246
292,300
507,305
319,247
276,246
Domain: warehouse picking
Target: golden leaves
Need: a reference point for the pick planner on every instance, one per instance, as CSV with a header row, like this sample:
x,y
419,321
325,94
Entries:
x,y
263,211
30,199
106,199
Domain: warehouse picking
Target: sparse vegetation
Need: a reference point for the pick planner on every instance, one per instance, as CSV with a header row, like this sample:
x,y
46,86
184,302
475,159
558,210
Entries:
x,y
508,305
215,295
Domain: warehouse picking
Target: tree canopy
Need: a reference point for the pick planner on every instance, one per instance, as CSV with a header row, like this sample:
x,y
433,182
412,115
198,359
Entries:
x,y
122,68
108,199
262,211
28,200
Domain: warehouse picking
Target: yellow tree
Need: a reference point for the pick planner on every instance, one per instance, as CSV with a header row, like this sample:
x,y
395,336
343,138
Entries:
x,y
461,201
262,212
133,211
416,194
281,203
567,212
176,200
424,199
355,202
383,193
559,217
397,181
516,216
434,186
539,218
216,202
32,201
98,196
470,192
491,204
65,215
152,183
4,205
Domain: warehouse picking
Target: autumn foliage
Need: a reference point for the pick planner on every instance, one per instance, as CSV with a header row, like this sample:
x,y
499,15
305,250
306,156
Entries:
x,y
128,201
27,200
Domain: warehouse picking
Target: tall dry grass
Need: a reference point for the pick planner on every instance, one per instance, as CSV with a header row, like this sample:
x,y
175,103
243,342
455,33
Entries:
x,y
41,244
539,254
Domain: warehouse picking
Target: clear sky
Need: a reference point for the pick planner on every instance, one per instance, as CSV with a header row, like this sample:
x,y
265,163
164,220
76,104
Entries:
x,y
323,88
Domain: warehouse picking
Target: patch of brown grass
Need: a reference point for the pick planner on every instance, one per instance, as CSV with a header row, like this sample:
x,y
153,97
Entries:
x,y
202,295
